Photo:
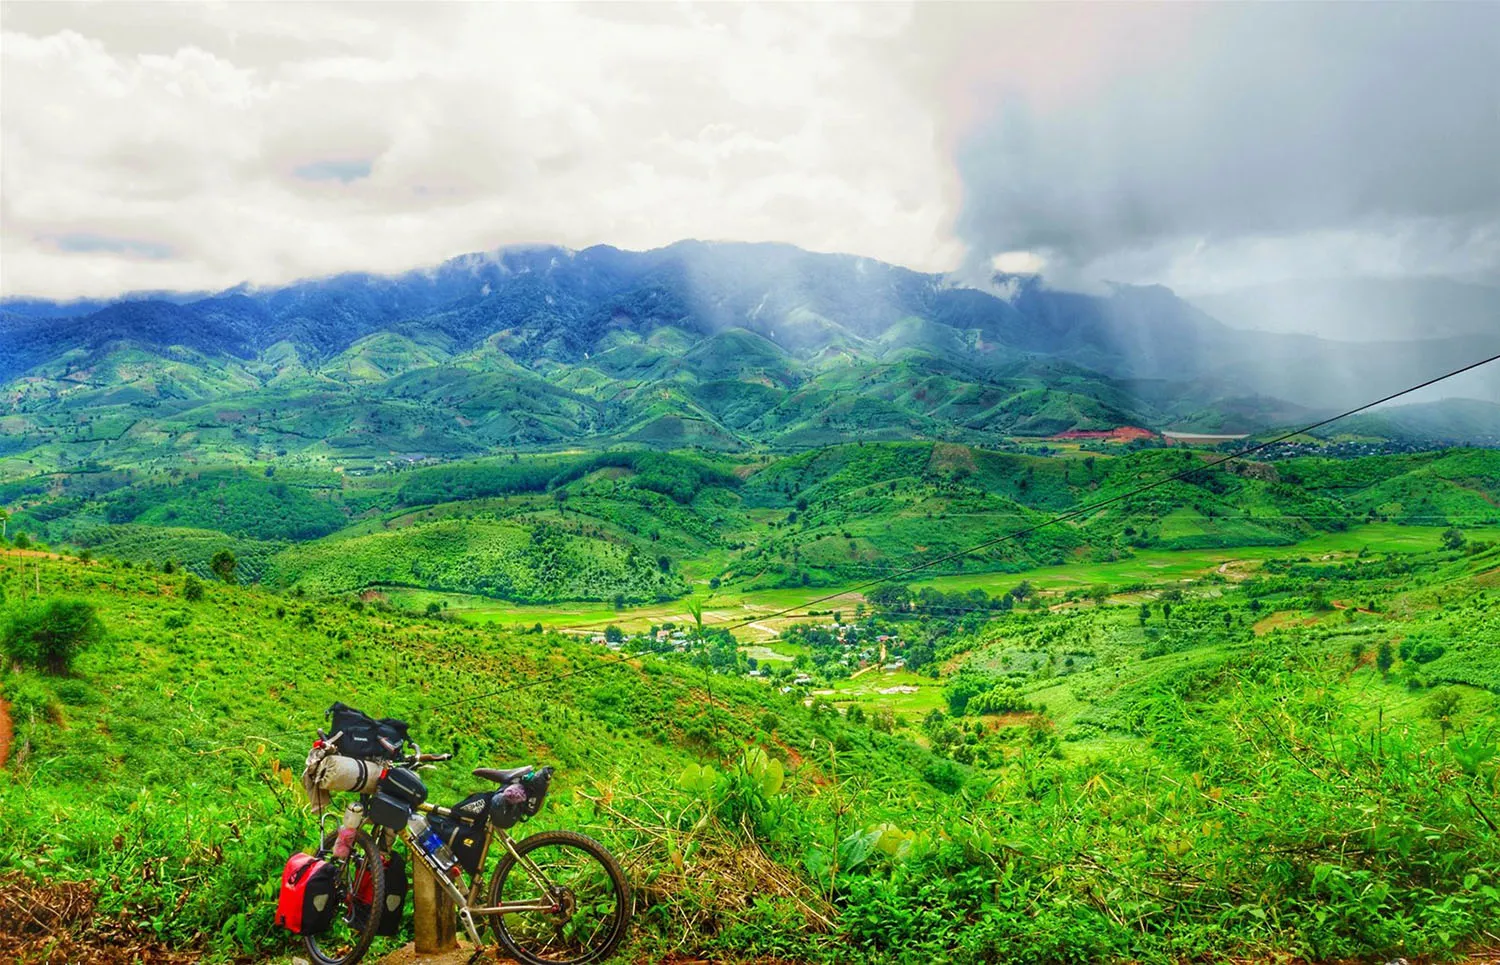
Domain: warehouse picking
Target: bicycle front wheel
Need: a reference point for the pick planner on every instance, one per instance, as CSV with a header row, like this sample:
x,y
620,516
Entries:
x,y
580,899
360,894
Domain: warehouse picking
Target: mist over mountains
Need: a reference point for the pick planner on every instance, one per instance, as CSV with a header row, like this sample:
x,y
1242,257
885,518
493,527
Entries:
x,y
721,344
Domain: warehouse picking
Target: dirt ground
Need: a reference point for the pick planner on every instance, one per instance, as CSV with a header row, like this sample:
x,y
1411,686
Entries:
x,y
6,732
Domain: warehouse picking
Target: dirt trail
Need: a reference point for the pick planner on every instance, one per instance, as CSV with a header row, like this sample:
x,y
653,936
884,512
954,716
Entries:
x,y
6,732
462,955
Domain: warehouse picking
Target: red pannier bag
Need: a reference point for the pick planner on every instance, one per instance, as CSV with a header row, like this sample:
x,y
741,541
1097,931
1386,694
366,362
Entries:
x,y
307,904
395,895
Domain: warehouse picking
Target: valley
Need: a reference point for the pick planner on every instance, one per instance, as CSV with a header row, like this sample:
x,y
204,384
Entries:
x,y
761,549
1085,717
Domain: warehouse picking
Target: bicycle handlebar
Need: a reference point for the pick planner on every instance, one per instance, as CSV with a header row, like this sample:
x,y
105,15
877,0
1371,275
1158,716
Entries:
x,y
427,758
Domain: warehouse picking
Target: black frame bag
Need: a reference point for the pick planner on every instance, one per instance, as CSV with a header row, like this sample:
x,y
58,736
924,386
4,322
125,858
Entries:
x,y
467,829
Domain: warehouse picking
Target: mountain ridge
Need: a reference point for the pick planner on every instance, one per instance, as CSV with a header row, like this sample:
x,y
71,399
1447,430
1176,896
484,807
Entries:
x,y
542,346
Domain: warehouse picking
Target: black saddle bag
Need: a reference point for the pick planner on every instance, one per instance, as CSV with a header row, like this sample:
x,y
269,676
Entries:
x,y
520,800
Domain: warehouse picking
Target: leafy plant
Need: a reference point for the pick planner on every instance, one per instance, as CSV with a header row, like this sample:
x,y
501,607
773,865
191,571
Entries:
x,y
50,634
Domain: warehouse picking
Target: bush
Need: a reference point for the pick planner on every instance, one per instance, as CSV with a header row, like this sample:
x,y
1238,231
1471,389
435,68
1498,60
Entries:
x,y
50,634
192,589
224,565
944,776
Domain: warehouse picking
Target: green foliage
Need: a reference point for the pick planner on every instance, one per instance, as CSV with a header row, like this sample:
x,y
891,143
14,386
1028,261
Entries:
x,y
223,565
543,563
51,633
1205,776
240,504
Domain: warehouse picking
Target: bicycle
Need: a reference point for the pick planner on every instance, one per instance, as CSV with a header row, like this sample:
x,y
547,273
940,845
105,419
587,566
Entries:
x,y
553,898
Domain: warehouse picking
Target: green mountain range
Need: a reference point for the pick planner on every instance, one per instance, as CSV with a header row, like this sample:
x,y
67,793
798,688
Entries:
x,y
727,347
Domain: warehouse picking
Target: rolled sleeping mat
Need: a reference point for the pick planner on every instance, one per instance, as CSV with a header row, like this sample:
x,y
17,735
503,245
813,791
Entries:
x,y
347,774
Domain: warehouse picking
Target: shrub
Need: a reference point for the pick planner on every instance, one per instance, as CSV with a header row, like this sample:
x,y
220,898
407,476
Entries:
x,y
223,565
944,776
192,589
50,634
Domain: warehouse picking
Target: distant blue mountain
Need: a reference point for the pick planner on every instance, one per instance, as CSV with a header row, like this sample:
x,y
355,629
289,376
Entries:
x,y
551,304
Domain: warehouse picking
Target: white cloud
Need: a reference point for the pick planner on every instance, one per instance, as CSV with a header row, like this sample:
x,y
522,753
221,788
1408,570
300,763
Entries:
x,y
1206,147
265,143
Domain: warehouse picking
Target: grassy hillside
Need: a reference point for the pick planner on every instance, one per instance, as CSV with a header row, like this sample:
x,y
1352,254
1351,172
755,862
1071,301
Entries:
x,y
532,564
1290,756
638,525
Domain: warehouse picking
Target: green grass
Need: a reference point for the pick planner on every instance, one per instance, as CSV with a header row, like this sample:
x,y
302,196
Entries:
x,y
1240,758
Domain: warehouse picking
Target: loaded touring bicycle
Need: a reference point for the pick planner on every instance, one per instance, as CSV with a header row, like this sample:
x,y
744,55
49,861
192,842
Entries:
x,y
551,897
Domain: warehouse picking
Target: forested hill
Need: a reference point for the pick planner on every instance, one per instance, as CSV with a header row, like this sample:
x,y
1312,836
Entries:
x,y
720,345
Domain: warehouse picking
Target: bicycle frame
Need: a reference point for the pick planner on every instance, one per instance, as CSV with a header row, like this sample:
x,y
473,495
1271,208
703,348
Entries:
x,y
468,904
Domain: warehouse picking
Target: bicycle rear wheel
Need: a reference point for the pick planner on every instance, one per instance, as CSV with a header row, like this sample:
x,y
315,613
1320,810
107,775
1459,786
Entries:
x,y
360,893
586,893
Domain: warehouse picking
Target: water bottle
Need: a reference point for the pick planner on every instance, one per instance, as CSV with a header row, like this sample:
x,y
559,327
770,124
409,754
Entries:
x,y
343,844
439,855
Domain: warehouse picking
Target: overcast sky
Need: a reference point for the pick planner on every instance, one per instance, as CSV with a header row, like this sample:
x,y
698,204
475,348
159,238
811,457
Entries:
x,y
1206,147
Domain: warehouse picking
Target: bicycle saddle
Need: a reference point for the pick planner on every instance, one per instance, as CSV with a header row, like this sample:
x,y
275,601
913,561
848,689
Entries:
x,y
502,776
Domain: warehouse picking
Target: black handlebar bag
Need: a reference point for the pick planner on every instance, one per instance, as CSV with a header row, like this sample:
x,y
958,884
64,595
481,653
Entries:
x,y
397,794
364,737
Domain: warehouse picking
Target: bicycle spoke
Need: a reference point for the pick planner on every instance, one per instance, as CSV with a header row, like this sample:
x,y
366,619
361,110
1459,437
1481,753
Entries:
x,y
585,904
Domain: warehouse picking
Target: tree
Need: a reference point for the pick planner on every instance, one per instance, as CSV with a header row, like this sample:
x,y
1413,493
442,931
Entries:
x,y
1145,613
1443,707
192,588
890,596
223,565
1453,538
1022,590
50,634
614,634
664,563
434,608
4,522
934,721
1385,657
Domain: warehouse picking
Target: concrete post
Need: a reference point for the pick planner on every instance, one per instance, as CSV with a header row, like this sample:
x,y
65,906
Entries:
x,y
434,917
